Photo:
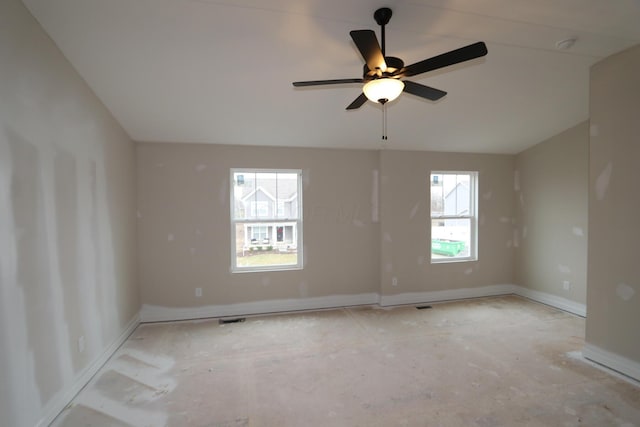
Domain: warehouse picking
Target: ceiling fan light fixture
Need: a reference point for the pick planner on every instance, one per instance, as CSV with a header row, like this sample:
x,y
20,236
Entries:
x,y
383,90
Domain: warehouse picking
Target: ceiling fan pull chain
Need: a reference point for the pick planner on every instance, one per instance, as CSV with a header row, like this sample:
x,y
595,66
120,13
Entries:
x,y
384,122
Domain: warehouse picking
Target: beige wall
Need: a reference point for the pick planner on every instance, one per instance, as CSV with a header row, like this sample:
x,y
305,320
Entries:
x,y
184,224
613,297
67,224
551,205
405,222
184,230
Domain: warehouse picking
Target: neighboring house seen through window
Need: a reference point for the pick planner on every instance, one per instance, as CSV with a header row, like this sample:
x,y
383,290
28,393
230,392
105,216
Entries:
x,y
266,219
454,206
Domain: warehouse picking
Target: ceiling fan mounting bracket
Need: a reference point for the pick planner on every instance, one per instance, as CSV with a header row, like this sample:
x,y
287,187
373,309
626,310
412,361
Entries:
x,y
382,15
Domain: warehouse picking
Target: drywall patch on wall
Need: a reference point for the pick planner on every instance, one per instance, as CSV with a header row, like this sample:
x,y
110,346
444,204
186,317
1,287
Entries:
x,y
414,210
602,182
505,220
421,259
388,267
564,269
201,168
358,223
624,291
577,231
487,195
171,237
375,196
386,237
593,130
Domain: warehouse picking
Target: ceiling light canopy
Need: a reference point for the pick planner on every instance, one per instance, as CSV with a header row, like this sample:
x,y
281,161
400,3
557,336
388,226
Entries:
x,y
383,90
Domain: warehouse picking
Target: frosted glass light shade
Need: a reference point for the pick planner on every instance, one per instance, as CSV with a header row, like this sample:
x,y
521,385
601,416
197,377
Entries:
x,y
383,90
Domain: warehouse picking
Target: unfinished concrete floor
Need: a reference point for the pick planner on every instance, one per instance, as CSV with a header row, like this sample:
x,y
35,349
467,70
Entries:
x,y
501,361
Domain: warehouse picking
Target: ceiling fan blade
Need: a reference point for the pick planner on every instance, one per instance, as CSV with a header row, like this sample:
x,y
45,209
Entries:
x,y
326,82
466,53
430,93
358,102
369,47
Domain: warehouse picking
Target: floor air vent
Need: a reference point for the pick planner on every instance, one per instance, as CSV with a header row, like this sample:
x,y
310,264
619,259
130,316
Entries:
x,y
227,321
423,307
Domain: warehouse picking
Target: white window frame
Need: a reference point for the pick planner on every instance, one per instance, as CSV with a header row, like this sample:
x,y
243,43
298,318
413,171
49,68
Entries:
x,y
262,221
472,216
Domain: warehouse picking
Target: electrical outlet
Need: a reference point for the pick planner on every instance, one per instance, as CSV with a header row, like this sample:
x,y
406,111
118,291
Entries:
x,y
566,285
394,281
81,344
198,292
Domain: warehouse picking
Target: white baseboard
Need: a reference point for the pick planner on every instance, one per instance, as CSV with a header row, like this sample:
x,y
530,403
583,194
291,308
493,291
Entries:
x,y
154,313
613,361
446,295
57,404
552,300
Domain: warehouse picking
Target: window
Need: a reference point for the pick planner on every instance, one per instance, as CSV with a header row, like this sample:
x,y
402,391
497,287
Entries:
x,y
453,216
266,220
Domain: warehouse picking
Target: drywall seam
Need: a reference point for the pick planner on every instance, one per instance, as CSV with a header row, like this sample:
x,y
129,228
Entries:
x,y
17,359
375,196
154,313
57,404
552,300
60,328
611,360
446,295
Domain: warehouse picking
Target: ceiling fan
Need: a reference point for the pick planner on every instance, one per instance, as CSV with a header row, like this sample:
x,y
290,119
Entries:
x,y
383,75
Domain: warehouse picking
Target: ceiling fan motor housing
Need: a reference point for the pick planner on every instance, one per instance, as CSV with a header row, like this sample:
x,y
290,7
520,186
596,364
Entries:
x,y
393,66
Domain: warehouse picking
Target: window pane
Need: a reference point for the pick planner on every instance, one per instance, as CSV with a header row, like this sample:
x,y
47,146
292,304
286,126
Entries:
x,y
450,238
263,245
244,185
437,202
456,194
265,195
287,196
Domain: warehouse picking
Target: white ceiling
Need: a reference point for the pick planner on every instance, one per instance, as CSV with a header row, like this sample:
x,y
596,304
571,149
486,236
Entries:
x,y
220,71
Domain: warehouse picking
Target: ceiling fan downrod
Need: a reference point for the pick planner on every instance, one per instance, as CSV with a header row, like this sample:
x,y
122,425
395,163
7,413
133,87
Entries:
x,y
382,17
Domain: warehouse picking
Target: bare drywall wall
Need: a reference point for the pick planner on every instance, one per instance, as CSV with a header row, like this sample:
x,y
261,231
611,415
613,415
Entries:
x,y
184,225
613,293
551,189
405,222
67,221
